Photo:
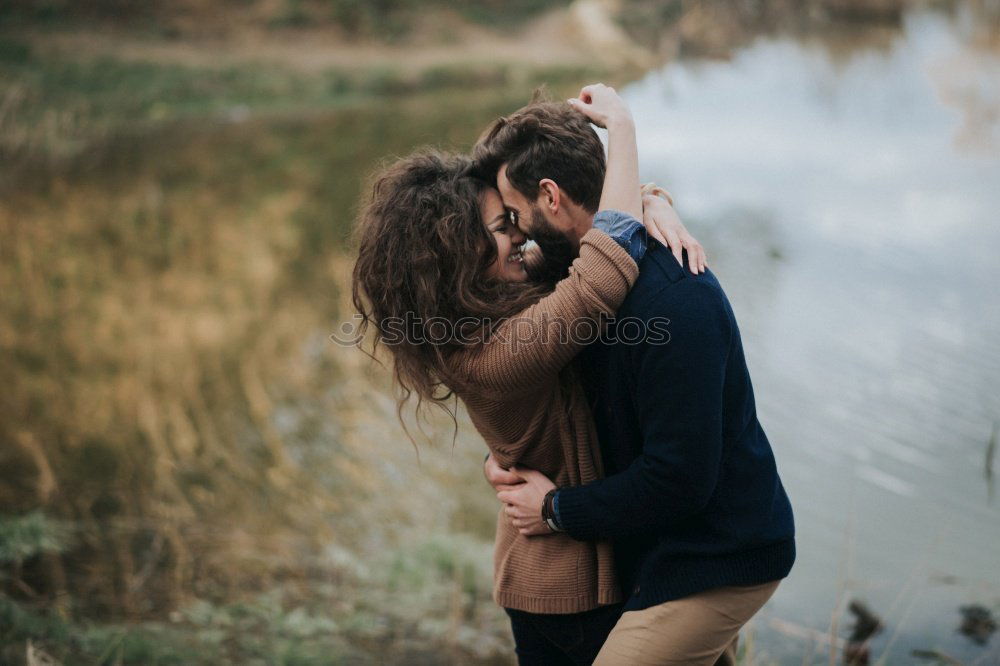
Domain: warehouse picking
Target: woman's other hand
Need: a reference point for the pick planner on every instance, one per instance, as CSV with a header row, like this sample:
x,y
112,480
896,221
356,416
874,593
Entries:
x,y
663,224
523,504
498,477
602,106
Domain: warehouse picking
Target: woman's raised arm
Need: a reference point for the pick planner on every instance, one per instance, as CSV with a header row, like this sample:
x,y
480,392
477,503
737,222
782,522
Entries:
x,y
603,107
533,345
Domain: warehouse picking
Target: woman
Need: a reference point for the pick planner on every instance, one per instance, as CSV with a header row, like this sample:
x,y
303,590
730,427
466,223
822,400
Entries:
x,y
441,276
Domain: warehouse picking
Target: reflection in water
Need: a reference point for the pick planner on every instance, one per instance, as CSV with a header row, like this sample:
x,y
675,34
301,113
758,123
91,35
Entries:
x,y
991,450
848,202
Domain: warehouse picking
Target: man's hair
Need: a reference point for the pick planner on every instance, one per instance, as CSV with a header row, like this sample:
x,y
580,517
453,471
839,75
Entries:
x,y
544,140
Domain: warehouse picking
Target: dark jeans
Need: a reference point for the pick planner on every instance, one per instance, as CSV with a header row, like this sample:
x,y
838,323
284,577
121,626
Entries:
x,y
557,640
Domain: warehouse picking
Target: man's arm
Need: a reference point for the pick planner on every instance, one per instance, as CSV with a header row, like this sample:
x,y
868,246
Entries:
x,y
679,397
679,401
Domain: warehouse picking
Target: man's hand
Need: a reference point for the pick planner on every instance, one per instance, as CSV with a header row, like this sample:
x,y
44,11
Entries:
x,y
534,260
523,503
498,477
662,223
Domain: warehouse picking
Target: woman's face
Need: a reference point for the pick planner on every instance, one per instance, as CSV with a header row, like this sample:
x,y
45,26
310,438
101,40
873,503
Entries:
x,y
509,265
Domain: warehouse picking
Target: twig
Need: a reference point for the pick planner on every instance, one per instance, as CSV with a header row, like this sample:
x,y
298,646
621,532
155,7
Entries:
x,y
843,575
991,449
936,655
794,630
148,566
883,659
116,642
909,583
24,587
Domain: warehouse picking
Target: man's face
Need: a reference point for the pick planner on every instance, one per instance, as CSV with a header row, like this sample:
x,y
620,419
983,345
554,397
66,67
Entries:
x,y
535,222
527,212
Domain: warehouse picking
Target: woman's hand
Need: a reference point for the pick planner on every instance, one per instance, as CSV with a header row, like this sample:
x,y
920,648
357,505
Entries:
x,y
662,223
602,106
498,477
523,504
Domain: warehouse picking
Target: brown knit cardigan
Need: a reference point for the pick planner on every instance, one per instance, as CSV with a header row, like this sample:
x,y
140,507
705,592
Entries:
x,y
525,398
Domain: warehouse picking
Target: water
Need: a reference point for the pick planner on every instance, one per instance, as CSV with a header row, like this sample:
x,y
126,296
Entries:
x,y
848,200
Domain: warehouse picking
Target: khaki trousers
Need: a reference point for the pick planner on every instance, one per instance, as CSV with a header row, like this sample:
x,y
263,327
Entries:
x,y
698,630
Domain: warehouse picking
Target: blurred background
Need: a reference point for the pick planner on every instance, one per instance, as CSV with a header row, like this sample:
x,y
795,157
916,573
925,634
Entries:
x,y
192,471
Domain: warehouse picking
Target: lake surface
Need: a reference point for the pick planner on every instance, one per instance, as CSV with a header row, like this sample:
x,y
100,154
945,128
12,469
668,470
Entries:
x,y
848,198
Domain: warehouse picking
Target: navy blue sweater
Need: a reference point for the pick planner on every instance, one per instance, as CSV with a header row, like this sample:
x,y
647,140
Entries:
x,y
691,498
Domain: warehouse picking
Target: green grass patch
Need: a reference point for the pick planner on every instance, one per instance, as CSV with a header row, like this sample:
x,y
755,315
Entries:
x,y
31,534
56,105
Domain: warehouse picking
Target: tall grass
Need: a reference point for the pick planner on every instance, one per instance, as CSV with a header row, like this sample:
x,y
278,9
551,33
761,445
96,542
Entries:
x,y
171,396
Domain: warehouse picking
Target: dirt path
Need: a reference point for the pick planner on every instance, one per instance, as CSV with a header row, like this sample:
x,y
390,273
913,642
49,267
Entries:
x,y
580,34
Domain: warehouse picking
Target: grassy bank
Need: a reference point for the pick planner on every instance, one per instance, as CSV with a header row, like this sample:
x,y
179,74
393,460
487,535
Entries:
x,y
55,106
171,399
413,606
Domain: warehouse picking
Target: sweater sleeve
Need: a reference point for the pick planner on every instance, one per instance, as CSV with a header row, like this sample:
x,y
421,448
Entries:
x,y
538,342
679,400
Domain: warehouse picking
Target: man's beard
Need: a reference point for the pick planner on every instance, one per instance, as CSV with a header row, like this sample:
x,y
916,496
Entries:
x,y
558,251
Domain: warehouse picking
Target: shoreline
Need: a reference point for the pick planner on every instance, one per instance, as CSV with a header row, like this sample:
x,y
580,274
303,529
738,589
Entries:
x,y
71,83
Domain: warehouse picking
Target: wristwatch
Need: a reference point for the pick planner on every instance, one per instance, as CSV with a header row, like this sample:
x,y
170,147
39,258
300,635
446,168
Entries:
x,y
548,512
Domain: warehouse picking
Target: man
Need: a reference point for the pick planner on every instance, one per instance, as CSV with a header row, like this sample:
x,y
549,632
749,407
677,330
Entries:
x,y
692,501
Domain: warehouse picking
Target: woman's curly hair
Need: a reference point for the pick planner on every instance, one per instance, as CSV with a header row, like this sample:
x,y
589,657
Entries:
x,y
423,256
